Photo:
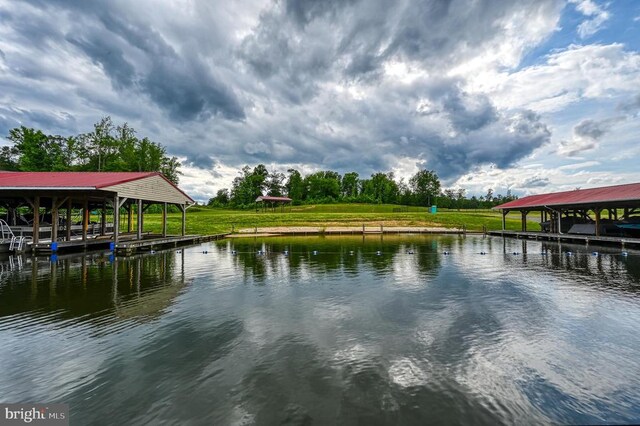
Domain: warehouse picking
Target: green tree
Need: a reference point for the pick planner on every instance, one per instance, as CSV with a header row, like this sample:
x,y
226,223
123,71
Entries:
x,y
9,156
381,188
275,184
249,185
294,186
37,151
221,199
350,183
323,186
425,186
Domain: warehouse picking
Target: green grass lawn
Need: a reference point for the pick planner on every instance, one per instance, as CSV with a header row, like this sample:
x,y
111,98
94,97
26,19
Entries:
x,y
205,221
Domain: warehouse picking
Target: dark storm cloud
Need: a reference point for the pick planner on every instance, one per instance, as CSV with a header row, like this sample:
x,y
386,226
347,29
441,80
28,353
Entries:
x,y
591,129
196,159
587,135
631,106
535,182
305,82
106,53
468,113
304,11
502,142
181,84
55,124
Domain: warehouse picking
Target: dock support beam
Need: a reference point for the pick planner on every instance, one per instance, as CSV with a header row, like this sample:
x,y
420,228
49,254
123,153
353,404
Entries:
x,y
184,219
116,218
130,217
597,212
139,232
69,205
560,221
85,219
54,220
164,219
524,220
103,219
504,219
36,220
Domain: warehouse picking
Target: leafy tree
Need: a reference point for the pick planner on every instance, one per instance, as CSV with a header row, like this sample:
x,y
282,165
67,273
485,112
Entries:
x,y
221,199
274,184
323,186
37,151
295,187
9,158
249,185
106,148
350,183
425,186
381,188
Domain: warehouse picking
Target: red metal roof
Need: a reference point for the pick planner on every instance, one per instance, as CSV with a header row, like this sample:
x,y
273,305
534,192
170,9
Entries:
x,y
68,179
73,180
268,198
607,194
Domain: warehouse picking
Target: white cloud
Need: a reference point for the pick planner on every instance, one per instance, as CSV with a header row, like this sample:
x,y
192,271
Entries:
x,y
597,17
567,77
529,181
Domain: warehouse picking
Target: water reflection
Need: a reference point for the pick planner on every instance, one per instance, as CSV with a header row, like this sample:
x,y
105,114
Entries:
x,y
341,330
96,289
385,255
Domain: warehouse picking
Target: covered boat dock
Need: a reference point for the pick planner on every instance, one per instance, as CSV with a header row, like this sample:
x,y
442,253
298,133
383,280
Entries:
x,y
51,211
607,214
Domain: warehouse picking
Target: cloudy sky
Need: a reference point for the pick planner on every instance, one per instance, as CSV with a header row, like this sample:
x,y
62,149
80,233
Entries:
x,y
527,95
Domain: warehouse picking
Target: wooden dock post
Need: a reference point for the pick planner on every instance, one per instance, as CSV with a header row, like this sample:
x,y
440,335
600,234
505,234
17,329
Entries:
x,y
36,219
164,220
116,219
85,218
54,220
139,221
184,219
69,205
130,217
103,218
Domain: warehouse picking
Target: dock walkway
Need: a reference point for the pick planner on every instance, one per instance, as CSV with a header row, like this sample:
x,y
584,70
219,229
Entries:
x,y
620,241
342,230
126,246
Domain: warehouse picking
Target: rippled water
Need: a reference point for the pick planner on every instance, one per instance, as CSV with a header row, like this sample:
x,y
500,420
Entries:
x,y
409,335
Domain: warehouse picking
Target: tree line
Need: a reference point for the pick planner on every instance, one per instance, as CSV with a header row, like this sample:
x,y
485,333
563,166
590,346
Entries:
x,y
324,187
107,148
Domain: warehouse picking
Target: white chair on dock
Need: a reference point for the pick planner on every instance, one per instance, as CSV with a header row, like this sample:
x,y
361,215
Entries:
x,y
15,243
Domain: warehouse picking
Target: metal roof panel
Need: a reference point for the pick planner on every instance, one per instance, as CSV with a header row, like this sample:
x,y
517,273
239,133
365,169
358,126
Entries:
x,y
607,194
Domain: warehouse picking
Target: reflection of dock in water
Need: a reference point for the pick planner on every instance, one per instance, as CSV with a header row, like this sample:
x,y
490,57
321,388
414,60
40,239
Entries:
x,y
618,241
96,289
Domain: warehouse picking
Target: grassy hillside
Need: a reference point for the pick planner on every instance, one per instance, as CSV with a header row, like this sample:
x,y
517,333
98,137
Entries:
x,y
213,221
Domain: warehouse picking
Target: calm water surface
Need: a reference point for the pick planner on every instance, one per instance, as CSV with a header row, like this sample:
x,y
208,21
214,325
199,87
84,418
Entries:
x,y
410,335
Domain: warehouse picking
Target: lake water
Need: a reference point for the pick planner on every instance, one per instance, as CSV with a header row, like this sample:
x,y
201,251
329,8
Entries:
x,y
347,335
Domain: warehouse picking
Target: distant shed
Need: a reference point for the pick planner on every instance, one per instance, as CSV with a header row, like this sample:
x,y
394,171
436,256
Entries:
x,y
55,191
273,201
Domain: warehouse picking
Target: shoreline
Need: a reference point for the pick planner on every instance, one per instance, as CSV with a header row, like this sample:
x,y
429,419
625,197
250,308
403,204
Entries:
x,y
343,230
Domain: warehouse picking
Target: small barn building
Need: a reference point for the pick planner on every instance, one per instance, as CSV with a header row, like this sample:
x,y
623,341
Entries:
x,y
273,202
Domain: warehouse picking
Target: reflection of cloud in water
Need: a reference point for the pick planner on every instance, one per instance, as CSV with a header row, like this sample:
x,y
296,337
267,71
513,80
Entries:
x,y
406,372
354,354
332,311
